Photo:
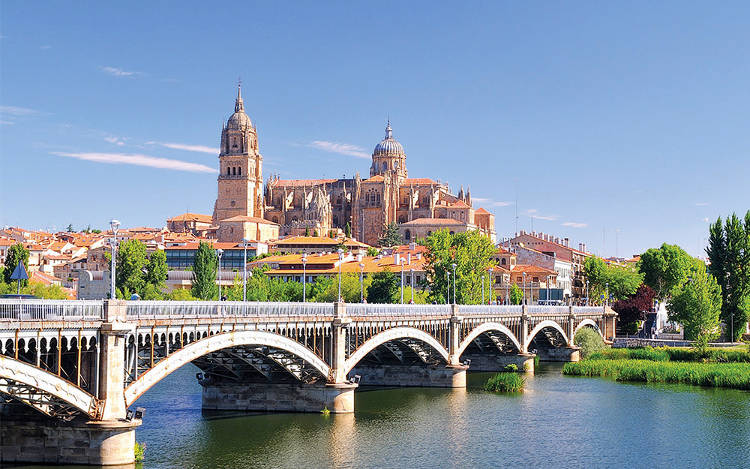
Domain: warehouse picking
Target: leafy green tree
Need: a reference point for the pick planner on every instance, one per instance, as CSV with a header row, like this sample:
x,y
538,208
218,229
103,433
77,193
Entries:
x,y
696,305
348,230
516,294
471,252
384,288
420,296
205,268
729,255
180,294
70,228
665,268
16,254
156,270
350,289
48,292
619,282
390,237
372,252
151,292
131,261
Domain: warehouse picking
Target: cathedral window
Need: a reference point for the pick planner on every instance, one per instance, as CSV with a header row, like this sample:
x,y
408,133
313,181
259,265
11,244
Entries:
x,y
239,171
407,235
229,171
234,171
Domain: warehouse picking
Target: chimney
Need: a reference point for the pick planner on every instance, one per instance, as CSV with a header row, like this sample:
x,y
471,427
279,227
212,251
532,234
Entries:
x,y
412,246
408,258
359,257
396,258
567,242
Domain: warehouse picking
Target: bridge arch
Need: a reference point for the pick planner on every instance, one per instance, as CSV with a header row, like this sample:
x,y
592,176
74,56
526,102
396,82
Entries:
x,y
37,381
389,335
214,343
588,323
539,327
486,327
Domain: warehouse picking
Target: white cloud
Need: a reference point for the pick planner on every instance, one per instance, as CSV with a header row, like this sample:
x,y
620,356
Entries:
x,y
546,217
118,72
502,204
139,160
186,147
115,140
573,224
340,148
706,220
531,211
17,111
701,204
6,123
484,200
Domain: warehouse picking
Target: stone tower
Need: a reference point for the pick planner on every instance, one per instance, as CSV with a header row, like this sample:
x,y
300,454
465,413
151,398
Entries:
x,y
240,168
389,157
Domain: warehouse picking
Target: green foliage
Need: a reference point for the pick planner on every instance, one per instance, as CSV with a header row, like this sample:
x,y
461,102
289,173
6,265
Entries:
x,y
420,296
589,341
70,228
390,237
619,282
665,268
327,291
724,375
261,287
156,270
16,254
131,260
516,294
729,255
180,294
372,252
697,305
471,252
348,230
505,382
675,354
205,268
646,353
384,288
511,368
140,451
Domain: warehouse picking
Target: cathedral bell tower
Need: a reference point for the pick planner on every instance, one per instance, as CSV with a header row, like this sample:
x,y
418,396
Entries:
x,y
240,167
389,157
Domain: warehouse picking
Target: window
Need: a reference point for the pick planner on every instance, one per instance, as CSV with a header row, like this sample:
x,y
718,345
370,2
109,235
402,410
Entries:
x,y
407,235
502,262
234,171
239,171
229,171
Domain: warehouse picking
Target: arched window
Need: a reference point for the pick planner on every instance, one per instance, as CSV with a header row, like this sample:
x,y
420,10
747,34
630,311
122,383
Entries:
x,y
402,219
234,171
239,171
229,171
407,235
502,261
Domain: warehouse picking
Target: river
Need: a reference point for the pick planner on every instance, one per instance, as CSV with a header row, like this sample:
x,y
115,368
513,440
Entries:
x,y
558,421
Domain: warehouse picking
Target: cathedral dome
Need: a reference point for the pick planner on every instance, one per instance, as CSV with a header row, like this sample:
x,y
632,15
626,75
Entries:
x,y
239,120
389,146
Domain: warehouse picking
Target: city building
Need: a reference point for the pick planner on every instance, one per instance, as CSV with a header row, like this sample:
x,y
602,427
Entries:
x,y
182,256
315,245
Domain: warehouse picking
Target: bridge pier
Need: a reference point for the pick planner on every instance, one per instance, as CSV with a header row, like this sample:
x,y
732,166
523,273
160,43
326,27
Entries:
x,y
279,397
444,376
483,362
559,354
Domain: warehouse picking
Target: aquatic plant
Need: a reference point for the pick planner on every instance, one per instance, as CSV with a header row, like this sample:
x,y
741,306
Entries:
x,y
505,382
140,451
589,341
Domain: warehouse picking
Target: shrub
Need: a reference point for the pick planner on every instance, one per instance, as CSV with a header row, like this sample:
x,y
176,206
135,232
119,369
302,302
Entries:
x,y
511,368
589,340
140,450
505,382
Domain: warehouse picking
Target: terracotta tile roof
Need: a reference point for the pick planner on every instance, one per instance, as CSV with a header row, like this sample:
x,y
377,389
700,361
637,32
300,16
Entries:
x,y
481,211
245,218
191,217
459,204
7,242
214,244
520,268
377,178
433,221
301,182
417,181
318,240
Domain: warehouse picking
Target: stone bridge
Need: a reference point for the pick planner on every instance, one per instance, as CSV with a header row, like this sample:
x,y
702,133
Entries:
x,y
70,370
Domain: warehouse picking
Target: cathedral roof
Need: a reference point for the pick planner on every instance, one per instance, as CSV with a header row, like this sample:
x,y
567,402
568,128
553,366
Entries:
x,y
376,178
389,146
418,181
239,120
301,182
433,221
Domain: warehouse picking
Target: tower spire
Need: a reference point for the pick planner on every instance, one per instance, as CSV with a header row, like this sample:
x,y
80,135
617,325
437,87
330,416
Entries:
x,y
238,105
388,129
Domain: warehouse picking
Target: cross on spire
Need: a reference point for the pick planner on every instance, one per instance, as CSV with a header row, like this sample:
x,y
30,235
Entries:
x,y
239,105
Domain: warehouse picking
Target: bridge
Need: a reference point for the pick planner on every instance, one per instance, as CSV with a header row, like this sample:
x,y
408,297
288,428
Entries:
x,y
71,370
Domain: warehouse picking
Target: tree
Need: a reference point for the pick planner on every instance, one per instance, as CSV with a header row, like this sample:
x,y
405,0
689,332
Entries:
x,y
131,261
348,230
384,288
696,305
390,237
516,294
634,308
372,252
665,268
729,255
70,228
180,294
16,254
350,288
471,252
618,282
156,271
205,268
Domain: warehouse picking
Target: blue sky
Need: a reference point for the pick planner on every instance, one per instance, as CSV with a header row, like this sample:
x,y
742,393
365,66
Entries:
x,y
619,125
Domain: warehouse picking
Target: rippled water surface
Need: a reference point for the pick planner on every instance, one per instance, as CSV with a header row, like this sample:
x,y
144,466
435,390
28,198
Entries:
x,y
558,422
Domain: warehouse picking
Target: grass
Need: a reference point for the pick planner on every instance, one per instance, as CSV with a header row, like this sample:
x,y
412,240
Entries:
x,y
674,354
140,451
505,382
723,375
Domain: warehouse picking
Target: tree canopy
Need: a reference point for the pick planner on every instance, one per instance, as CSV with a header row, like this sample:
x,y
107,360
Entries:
x,y
619,282
205,268
665,268
384,288
696,305
16,254
390,237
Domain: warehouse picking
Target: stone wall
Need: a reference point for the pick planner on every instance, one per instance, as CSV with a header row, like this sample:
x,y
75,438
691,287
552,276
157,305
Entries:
x,y
291,397
559,354
487,362
412,375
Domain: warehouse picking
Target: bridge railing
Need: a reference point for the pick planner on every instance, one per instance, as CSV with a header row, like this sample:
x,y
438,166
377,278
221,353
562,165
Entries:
x,y
362,309
51,310
188,309
539,309
497,310
588,309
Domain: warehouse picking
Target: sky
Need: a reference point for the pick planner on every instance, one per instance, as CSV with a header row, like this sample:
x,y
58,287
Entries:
x,y
619,125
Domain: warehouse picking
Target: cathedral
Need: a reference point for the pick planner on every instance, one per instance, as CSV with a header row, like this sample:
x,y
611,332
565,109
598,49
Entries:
x,y
307,206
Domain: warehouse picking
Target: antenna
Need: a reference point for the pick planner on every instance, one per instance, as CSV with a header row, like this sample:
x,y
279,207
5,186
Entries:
x,y
516,216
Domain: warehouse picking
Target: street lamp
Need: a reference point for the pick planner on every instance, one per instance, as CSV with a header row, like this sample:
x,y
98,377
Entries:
x,y
606,299
219,252
548,277
402,262
524,288
245,243
341,259
448,295
361,283
489,285
587,292
304,277
411,282
454,282
114,224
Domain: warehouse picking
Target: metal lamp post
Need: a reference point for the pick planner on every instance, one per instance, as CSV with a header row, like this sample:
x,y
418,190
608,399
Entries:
x,y
402,262
219,252
587,292
606,298
524,287
411,283
304,277
489,285
341,259
454,282
114,224
245,243
548,299
448,289
361,283
482,288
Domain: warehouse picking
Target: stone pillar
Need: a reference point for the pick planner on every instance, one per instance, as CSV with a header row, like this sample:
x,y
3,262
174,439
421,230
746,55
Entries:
x,y
338,398
112,360
338,343
609,324
571,327
454,336
524,329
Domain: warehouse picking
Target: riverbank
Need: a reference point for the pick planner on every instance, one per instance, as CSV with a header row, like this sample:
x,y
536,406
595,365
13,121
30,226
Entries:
x,y
713,368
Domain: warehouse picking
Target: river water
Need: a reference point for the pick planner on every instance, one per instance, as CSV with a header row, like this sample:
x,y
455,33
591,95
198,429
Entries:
x,y
558,421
